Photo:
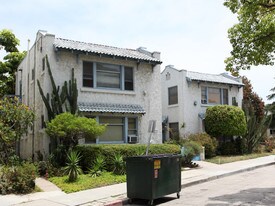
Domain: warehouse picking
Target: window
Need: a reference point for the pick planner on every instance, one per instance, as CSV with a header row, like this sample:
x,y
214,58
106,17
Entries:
x,y
43,64
174,130
110,76
88,80
132,126
173,95
114,130
211,95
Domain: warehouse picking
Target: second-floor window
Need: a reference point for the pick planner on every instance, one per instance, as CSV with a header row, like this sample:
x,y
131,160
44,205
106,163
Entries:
x,y
110,76
212,95
173,95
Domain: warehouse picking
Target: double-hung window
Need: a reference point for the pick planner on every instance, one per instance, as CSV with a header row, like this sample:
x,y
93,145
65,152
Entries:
x,y
107,76
212,95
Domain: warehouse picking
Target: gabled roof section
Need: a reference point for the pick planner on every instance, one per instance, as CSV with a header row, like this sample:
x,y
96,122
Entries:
x,y
98,49
110,108
213,78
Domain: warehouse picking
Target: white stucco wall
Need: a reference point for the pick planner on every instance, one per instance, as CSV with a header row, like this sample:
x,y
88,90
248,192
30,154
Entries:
x,y
147,90
189,94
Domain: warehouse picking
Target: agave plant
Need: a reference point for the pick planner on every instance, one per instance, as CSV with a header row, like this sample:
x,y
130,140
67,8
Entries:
x,y
73,169
99,166
118,165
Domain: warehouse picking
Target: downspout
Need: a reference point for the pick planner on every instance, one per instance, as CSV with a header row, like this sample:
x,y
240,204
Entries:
x,y
34,83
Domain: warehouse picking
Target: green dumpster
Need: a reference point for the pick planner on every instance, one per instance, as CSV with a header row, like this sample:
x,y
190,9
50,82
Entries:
x,y
153,176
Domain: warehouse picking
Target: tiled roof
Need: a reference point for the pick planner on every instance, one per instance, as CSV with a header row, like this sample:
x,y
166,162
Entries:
x,y
111,108
216,78
105,50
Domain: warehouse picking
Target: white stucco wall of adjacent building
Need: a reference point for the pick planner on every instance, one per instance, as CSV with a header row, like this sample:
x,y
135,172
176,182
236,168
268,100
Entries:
x,y
189,100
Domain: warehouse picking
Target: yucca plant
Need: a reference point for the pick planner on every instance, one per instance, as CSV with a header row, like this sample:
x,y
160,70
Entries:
x,y
99,166
73,169
118,165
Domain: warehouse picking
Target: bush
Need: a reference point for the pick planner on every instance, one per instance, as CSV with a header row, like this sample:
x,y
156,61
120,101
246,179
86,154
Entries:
x,y
90,152
73,169
42,168
225,120
17,179
209,143
233,147
190,150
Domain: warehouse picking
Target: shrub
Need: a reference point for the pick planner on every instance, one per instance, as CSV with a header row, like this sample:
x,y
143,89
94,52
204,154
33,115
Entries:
x,y
225,120
209,143
42,168
190,150
99,166
17,179
118,165
90,152
73,169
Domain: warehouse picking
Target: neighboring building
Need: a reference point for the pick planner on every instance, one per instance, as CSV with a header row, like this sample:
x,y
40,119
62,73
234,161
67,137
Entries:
x,y
117,86
186,96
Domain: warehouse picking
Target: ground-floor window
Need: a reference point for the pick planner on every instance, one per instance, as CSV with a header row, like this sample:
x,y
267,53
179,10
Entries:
x,y
118,129
174,130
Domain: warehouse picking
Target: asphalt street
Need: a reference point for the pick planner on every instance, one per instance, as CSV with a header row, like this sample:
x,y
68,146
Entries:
x,y
255,187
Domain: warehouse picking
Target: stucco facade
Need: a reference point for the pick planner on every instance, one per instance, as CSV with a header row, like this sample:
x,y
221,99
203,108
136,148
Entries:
x,y
146,90
189,109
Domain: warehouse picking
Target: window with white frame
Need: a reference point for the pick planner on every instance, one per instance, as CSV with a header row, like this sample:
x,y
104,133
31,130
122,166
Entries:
x,y
109,76
213,95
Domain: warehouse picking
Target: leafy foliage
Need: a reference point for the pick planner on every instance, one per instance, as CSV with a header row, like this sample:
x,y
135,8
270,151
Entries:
x,y
68,128
252,99
209,143
224,120
118,165
17,179
253,38
73,169
10,62
98,167
90,152
85,182
190,150
256,127
15,118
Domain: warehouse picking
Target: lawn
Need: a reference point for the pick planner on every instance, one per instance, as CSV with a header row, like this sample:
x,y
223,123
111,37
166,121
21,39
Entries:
x,y
85,182
228,159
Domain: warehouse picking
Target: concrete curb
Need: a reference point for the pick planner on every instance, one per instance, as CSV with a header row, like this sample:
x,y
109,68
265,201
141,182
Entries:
x,y
125,200
225,175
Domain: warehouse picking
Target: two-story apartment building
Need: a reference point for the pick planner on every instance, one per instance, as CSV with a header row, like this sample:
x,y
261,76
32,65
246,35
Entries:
x,y
186,96
117,86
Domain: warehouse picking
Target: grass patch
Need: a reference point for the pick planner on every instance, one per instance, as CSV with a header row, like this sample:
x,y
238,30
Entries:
x,y
228,159
85,182
37,189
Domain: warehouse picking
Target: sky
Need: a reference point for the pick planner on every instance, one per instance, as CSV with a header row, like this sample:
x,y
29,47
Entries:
x,y
190,34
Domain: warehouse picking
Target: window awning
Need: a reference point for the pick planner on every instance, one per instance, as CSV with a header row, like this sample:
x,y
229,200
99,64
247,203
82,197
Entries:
x,y
201,116
110,108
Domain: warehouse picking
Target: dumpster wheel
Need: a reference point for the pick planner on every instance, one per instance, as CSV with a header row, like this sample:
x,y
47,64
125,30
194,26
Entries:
x,y
178,195
151,202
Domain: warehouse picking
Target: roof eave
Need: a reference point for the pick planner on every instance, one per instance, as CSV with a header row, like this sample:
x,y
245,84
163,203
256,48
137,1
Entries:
x,y
152,62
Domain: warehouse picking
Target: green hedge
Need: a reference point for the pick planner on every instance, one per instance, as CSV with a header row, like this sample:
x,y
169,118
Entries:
x,y
90,152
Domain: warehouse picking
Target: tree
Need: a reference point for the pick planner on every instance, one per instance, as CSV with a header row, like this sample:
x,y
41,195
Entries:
x,y
225,121
8,67
15,118
252,99
253,38
69,128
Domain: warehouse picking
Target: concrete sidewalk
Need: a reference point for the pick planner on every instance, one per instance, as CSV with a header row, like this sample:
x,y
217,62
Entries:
x,y
116,194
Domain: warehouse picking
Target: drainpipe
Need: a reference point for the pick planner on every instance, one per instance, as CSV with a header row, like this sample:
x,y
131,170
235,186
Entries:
x,y
34,86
